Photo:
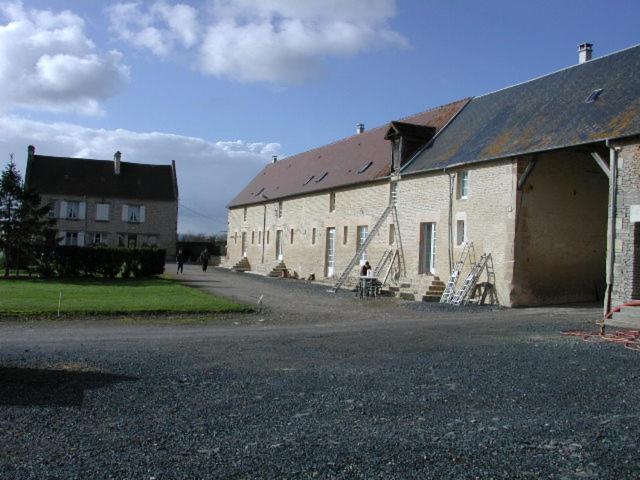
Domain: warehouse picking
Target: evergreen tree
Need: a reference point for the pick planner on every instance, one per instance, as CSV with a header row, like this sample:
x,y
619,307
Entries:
x,y
24,221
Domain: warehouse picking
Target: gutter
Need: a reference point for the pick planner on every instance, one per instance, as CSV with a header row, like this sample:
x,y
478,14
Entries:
x,y
450,245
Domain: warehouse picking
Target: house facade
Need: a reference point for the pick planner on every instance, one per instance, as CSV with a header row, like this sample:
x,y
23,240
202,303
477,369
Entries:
x,y
542,177
110,203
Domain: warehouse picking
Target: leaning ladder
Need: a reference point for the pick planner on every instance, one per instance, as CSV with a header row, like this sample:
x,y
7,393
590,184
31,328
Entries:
x,y
363,247
463,292
382,262
468,253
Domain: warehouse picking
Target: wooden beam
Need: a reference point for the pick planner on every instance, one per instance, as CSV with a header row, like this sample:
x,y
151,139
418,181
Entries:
x,y
603,165
527,172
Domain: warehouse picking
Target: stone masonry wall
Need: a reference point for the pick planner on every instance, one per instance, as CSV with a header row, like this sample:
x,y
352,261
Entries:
x,y
627,243
489,212
561,231
161,219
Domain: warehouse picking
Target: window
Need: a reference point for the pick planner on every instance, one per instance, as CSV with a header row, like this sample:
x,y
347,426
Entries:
x,y
308,180
267,237
392,234
244,214
71,238
427,252
461,232
322,177
133,214
149,240
235,238
259,237
593,96
279,210
73,211
362,232
345,235
259,192
332,202
132,241
463,184
122,239
291,237
313,236
100,238
365,167
393,193
52,209
253,236
102,212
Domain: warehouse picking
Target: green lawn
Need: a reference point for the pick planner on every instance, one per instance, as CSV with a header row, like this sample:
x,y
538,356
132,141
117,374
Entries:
x,y
32,297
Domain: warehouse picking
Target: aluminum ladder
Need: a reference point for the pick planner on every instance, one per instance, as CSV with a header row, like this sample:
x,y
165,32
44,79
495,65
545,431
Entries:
x,y
462,294
362,248
468,253
389,253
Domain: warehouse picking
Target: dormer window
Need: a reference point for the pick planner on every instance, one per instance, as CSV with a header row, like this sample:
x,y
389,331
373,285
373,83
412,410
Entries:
x,y
322,176
406,139
365,167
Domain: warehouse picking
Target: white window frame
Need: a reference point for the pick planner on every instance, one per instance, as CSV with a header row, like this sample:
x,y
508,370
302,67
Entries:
x,y
362,232
69,238
461,218
72,211
463,185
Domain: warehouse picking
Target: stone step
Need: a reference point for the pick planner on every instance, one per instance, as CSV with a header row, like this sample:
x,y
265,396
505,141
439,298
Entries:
x,y
431,298
438,283
407,296
394,289
433,289
405,285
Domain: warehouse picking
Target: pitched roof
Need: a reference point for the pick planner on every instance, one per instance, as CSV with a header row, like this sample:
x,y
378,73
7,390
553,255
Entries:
x,y
546,113
95,178
337,164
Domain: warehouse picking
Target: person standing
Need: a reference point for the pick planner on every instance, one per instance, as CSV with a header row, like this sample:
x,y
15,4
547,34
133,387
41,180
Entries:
x,y
180,261
204,259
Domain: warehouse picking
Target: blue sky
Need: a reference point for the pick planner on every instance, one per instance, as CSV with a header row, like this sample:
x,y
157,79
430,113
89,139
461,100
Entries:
x,y
220,86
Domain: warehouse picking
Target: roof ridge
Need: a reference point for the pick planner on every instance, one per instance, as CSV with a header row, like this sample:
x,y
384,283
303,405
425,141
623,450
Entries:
x,y
101,160
555,72
379,127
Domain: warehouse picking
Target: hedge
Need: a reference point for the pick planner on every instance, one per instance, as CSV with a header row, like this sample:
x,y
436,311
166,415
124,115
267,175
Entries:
x,y
70,261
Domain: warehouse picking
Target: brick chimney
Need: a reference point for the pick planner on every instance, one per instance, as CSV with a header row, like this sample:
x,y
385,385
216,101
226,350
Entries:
x,y
116,162
585,50
359,128
31,151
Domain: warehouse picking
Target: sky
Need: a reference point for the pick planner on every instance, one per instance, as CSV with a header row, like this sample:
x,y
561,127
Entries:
x,y
220,86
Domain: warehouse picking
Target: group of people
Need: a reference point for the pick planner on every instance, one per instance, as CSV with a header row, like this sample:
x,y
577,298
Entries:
x,y
203,259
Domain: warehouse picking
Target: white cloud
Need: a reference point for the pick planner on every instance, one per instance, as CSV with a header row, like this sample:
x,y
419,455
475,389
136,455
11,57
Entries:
x,y
158,27
47,62
210,174
276,41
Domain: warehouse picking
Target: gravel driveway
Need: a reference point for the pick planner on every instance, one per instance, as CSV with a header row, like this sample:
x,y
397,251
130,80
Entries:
x,y
318,386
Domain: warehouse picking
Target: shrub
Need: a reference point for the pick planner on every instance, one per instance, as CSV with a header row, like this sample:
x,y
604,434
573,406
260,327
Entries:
x,y
108,262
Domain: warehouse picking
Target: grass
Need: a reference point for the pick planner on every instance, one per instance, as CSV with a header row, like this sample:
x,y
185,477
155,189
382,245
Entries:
x,y
40,297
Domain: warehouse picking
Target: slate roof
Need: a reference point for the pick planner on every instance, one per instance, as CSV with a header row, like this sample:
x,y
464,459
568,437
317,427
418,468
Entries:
x,y
95,178
546,113
341,162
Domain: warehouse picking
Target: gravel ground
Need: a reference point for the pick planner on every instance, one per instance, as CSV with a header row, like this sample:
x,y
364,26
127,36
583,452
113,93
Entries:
x,y
318,386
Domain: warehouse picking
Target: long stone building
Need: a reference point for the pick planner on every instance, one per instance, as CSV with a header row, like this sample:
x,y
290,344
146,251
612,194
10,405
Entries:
x,y
542,177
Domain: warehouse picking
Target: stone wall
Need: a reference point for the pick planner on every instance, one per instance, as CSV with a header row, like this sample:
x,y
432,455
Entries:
x,y
161,220
627,243
488,210
560,241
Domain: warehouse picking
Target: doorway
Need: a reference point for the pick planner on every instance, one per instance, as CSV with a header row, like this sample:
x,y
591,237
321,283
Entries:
x,y
244,244
427,261
331,252
279,252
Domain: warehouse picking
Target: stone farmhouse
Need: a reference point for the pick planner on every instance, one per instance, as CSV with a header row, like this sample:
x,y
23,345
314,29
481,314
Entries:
x,y
103,202
542,177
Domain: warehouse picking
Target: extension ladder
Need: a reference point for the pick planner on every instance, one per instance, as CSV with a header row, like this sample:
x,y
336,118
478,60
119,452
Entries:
x,y
468,253
362,248
462,293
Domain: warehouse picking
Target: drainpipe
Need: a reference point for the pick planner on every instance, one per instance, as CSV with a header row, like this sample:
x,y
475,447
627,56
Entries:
x,y
450,219
611,250
264,228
